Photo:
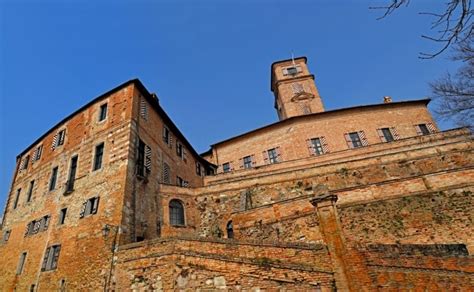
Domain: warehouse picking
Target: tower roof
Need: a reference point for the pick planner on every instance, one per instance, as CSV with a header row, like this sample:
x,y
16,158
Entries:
x,y
272,71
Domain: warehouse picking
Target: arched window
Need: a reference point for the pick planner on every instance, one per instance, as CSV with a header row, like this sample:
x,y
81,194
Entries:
x,y
230,230
176,212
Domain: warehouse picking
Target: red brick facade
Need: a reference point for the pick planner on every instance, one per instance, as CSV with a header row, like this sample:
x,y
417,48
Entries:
x,y
121,200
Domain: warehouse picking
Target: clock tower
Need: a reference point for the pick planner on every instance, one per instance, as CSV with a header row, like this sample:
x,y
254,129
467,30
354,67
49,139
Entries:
x,y
295,92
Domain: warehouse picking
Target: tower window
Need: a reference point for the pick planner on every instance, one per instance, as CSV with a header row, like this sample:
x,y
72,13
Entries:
x,y
99,153
24,162
30,191
166,173
90,207
51,256
355,140
247,162
387,134
37,153
17,198
21,263
166,136
52,181
72,175
226,167
272,155
103,112
230,230
62,216
176,213
141,158
6,235
317,146
198,169
292,70
179,149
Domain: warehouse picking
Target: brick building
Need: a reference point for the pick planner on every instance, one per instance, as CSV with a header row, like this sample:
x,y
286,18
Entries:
x,y
364,198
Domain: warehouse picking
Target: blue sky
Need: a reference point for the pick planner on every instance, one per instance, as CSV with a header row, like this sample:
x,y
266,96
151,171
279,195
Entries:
x,y
209,61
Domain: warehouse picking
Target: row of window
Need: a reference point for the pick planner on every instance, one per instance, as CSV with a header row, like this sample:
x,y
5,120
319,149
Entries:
x,y
144,163
58,140
89,207
50,260
319,145
97,164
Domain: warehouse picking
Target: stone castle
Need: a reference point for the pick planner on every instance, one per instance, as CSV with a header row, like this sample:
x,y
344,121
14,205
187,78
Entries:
x,y
366,198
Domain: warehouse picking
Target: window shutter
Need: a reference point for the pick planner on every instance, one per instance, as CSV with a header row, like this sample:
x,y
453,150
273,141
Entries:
x,y
27,231
83,210
241,163
231,165
278,152
431,127
55,140
363,139
185,155
143,109
163,134
22,164
348,141
265,157
147,158
45,259
171,140
54,262
34,155
95,206
324,144
381,135
36,226
395,133
254,161
310,147
418,130
285,72
46,222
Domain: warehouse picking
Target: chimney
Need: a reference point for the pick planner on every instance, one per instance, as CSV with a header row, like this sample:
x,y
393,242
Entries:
x,y
387,99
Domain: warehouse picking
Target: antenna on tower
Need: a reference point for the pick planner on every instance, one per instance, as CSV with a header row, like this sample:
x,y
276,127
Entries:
x,y
293,58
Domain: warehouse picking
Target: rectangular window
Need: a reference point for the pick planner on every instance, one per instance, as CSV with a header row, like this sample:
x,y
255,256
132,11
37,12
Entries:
x,y
272,155
37,153
423,129
17,198
61,137
72,175
38,225
99,153
30,191
198,169
179,149
247,160
52,181
50,259
387,135
90,207
226,167
166,135
21,263
355,139
103,112
141,158
317,146
24,162
6,235
166,173
62,216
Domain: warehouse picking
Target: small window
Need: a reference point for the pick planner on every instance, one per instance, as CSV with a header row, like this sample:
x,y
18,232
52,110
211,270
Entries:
x,y
32,288
198,169
72,175
226,167
230,230
17,198
272,155
21,263
30,191
179,149
387,134
166,135
353,140
37,153
317,146
99,153
176,213
166,173
51,257
90,207
61,137
54,177
292,70
103,112
423,129
6,235
247,160
24,162
62,216
37,225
